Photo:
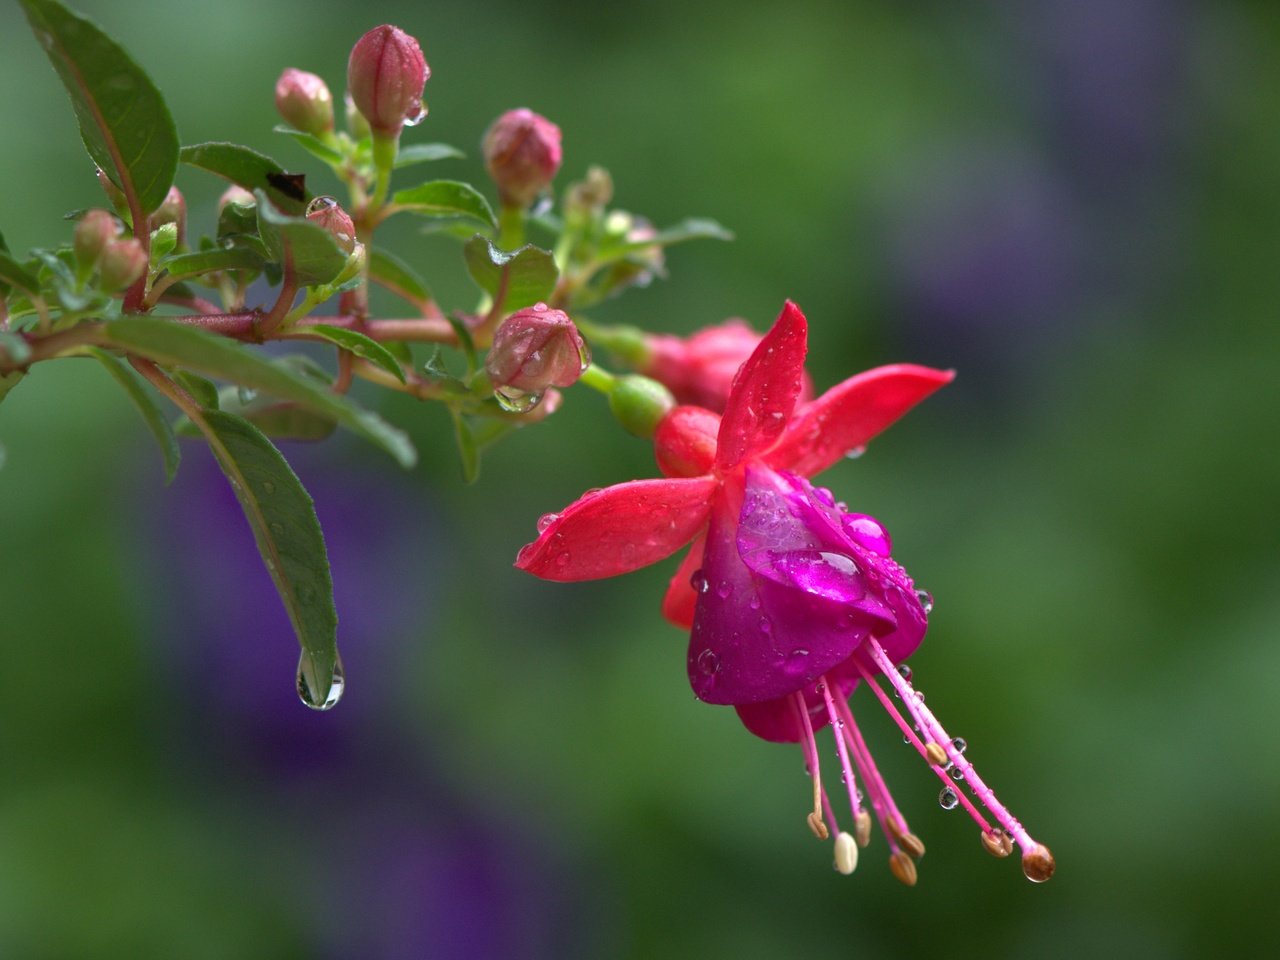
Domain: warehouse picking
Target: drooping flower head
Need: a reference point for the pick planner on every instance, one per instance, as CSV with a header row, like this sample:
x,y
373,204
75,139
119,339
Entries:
x,y
791,599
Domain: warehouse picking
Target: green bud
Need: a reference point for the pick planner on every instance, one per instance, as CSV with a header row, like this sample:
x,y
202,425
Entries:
x,y
639,403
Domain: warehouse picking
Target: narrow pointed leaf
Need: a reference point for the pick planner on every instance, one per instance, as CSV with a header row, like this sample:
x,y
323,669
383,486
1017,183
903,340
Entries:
x,y
317,258
426,153
124,122
693,228
176,344
514,280
251,170
151,413
185,265
619,529
446,198
311,143
764,391
851,413
468,451
283,519
361,345
398,277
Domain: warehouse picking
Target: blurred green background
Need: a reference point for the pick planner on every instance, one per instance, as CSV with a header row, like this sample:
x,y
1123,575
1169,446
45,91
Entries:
x,y
1076,205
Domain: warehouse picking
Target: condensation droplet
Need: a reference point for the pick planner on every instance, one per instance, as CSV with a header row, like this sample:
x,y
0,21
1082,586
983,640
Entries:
x,y
855,453
546,520
516,401
824,496
956,773
926,601
321,203
959,744
947,799
563,559
699,581
766,625
904,672
268,486
413,119
277,528
309,688
723,589
709,662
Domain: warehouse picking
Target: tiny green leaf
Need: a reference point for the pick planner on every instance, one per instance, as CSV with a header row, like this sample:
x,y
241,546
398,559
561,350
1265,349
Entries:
x,y
251,170
425,153
124,122
204,391
514,280
311,143
14,274
362,346
282,516
317,258
147,406
446,198
467,449
176,344
397,276
208,261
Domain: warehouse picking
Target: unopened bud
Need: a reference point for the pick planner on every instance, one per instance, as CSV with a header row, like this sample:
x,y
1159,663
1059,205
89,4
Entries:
x,y
903,867
386,75
684,443
172,210
846,853
640,404
591,195
1038,864
522,154
327,213
123,262
238,195
96,229
536,348
304,100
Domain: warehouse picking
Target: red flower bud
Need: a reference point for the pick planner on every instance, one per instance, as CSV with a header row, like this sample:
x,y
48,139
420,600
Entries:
x,y
685,442
522,154
123,262
386,75
326,212
172,210
96,229
238,195
533,349
304,100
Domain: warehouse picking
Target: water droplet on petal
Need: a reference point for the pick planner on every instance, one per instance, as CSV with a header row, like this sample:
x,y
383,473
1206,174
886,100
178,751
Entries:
x,y
709,662
868,533
855,453
699,582
904,672
546,520
959,744
723,589
754,602
766,625
799,652
947,799
563,559
321,203
516,401
413,119
824,496
308,685
956,773
926,601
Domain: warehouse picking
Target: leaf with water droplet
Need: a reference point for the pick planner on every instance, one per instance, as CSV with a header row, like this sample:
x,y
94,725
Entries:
x,y
364,347
514,280
124,122
283,519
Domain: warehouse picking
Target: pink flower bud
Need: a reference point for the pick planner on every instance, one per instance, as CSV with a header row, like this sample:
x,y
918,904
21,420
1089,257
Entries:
x,y
386,75
536,348
172,210
238,195
123,262
522,154
326,212
96,229
700,369
305,102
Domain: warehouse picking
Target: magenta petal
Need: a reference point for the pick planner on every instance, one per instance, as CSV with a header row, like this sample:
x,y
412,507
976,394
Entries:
x,y
619,529
765,391
850,414
776,720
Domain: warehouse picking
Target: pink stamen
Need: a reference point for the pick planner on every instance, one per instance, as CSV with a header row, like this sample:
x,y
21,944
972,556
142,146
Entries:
x,y
932,728
810,745
881,798
846,768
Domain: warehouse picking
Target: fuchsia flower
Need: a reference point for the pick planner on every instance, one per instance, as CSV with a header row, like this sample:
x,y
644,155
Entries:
x,y
791,599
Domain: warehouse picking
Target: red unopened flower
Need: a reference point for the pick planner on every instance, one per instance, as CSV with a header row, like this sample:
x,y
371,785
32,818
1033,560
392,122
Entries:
x,y
304,100
386,75
700,369
522,154
533,349
792,600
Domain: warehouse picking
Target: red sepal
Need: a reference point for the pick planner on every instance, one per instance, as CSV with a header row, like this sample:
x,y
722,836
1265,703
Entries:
x,y
851,413
765,391
681,599
619,529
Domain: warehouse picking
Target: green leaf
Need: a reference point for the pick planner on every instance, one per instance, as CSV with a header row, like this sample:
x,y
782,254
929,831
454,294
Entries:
x,y
425,153
311,143
282,420
692,229
163,241
14,274
251,170
14,347
446,198
282,516
513,280
203,390
362,346
317,258
398,277
467,449
124,122
155,419
208,261
176,344
8,381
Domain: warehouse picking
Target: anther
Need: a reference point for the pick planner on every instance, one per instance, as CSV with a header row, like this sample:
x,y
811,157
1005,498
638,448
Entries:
x,y
817,825
846,853
997,843
1038,864
903,867
936,755
895,826
862,828
912,845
